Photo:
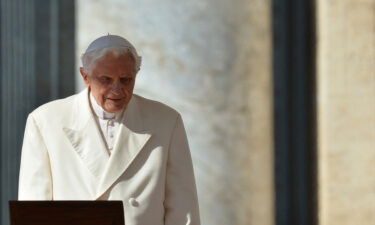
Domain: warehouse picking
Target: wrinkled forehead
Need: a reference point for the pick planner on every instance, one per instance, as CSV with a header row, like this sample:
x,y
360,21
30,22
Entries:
x,y
115,64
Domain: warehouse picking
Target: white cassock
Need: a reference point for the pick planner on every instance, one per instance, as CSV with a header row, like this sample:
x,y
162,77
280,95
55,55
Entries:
x,y
66,156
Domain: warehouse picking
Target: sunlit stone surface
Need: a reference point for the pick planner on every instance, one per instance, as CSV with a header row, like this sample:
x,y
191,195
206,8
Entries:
x,y
346,103
211,60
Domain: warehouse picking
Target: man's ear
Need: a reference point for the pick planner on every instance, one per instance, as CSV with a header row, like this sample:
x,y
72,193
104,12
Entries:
x,y
84,76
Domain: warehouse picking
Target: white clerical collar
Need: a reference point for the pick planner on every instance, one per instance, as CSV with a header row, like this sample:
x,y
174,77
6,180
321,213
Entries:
x,y
100,112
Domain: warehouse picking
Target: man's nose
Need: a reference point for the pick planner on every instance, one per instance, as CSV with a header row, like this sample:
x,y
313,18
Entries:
x,y
116,87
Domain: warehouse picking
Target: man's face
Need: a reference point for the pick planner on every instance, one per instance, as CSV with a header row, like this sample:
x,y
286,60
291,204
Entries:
x,y
112,81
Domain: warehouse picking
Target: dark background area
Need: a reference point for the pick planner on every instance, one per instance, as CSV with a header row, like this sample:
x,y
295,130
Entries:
x,y
294,112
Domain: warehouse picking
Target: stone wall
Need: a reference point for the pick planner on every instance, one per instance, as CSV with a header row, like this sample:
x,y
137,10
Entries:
x,y
346,116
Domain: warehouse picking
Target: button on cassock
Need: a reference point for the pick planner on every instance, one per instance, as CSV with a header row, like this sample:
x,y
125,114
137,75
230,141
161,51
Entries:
x,y
133,202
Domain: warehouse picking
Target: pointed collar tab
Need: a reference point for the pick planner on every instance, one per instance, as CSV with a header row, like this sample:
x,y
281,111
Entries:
x,y
85,137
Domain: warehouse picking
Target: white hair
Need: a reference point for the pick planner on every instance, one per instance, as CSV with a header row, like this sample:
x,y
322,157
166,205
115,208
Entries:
x,y
89,59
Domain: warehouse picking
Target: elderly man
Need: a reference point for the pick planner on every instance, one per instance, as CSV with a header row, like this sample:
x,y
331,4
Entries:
x,y
107,143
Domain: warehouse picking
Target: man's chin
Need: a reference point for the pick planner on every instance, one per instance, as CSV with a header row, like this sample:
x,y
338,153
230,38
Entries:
x,y
114,108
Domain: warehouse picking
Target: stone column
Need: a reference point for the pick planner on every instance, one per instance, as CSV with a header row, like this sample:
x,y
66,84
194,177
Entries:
x,y
36,66
17,90
346,116
211,60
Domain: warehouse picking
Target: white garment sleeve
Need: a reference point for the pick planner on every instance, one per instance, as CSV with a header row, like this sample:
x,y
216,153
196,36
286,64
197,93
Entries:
x,y
35,181
181,201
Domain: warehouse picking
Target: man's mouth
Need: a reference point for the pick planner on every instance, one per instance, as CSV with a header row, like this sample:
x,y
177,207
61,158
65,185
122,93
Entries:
x,y
115,99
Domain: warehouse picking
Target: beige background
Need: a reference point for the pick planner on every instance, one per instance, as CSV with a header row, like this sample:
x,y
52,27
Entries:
x,y
346,102
211,60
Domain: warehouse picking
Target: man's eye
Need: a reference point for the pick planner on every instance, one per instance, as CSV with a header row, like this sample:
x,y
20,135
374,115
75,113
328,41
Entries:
x,y
126,80
105,79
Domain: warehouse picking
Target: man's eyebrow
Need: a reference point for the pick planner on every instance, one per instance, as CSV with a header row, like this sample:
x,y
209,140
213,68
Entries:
x,y
102,75
126,75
